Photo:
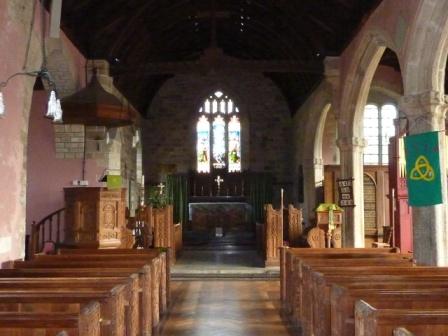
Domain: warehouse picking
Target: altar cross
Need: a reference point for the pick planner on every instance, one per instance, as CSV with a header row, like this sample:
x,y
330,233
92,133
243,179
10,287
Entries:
x,y
161,186
219,180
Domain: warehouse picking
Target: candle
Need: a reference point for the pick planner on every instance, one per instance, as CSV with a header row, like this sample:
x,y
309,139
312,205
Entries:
x,y
143,180
281,197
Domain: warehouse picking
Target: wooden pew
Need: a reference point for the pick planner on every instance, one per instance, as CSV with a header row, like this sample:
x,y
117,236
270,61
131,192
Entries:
x,y
112,303
288,254
304,298
321,290
295,280
371,321
343,303
150,273
84,323
133,319
164,256
144,277
158,261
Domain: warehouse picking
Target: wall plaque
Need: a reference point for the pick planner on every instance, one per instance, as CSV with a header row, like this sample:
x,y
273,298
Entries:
x,y
345,187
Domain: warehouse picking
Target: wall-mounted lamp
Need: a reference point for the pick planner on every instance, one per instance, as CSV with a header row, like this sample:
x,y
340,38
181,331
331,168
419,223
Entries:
x,y
54,109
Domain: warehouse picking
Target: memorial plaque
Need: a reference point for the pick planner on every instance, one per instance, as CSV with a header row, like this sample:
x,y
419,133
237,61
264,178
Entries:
x,y
345,187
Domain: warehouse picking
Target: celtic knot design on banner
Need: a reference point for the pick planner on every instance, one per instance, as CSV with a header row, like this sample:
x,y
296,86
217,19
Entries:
x,y
422,170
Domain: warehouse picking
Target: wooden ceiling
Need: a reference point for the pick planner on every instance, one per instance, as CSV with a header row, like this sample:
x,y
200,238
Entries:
x,y
134,34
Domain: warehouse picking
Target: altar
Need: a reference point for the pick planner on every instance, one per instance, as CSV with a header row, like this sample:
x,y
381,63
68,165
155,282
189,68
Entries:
x,y
230,216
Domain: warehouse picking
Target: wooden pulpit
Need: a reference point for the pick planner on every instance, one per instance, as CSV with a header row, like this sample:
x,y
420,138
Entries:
x,y
94,217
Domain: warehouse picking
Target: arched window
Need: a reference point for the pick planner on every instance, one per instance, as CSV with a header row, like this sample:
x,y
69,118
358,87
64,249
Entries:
x,y
218,131
378,128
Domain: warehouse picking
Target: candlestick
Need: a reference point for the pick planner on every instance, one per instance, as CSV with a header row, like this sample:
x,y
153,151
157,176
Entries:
x,y
281,197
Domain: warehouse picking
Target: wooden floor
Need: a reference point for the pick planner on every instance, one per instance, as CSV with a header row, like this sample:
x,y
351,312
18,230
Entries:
x,y
230,308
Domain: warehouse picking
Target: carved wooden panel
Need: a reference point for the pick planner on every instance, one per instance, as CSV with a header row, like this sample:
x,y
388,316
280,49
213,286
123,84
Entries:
x,y
295,220
89,323
274,235
316,238
336,238
95,217
163,230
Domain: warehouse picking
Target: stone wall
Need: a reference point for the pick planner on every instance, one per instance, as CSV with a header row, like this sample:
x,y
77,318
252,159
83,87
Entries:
x,y
169,132
330,150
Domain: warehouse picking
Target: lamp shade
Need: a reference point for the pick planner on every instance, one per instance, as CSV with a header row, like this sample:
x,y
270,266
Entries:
x,y
94,106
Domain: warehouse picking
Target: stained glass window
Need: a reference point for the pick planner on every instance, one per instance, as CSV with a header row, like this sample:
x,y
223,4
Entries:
x,y
203,145
219,143
218,135
234,145
378,128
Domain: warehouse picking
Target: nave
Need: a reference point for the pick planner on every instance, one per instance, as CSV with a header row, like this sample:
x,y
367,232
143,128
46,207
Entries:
x,y
224,307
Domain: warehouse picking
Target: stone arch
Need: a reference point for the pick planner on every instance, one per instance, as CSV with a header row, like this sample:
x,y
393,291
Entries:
x,y
425,71
364,61
309,150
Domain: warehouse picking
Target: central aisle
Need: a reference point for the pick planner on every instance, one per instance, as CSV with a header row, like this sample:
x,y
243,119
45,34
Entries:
x,y
227,308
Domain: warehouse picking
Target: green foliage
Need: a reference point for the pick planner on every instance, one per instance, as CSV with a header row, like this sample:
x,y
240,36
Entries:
x,y
155,199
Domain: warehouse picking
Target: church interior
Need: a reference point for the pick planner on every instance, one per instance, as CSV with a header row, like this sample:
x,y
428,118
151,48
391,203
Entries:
x,y
238,167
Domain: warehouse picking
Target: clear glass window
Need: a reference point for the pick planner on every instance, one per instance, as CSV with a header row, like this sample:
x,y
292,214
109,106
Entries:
x,y
378,128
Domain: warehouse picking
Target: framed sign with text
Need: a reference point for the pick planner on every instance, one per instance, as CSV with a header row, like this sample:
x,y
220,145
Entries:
x,y
345,188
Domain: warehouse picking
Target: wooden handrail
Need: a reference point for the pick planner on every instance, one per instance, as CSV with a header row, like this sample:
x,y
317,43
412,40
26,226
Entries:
x,y
402,332
47,229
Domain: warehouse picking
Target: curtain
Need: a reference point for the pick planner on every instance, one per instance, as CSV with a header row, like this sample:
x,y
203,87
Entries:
x,y
178,197
260,194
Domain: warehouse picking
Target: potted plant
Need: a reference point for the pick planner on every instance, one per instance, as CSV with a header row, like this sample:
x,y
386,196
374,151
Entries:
x,y
156,198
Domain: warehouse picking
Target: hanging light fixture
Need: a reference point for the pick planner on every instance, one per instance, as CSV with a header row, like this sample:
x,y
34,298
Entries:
x,y
54,109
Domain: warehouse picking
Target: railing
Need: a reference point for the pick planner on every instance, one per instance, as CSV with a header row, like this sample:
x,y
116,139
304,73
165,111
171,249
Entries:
x,y
46,230
402,332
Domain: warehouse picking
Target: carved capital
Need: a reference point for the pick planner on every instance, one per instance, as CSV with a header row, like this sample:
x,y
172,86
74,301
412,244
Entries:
x,y
348,144
425,111
318,161
423,103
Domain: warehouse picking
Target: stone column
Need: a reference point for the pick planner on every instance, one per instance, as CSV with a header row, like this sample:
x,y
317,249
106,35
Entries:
x,y
313,171
351,152
426,112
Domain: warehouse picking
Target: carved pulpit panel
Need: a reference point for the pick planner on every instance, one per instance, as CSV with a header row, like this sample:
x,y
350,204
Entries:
x,y
95,217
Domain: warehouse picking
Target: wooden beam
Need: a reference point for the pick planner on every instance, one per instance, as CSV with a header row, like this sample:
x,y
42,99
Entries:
x,y
172,68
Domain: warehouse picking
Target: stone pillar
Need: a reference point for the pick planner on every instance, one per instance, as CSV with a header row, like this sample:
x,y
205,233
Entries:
x,y
351,151
313,172
426,112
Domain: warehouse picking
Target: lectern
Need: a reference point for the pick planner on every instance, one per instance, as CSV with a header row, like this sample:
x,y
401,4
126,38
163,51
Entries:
x,y
94,217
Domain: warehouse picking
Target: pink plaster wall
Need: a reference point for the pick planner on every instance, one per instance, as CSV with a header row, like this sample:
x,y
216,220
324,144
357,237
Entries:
x,y
14,28
13,129
46,175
